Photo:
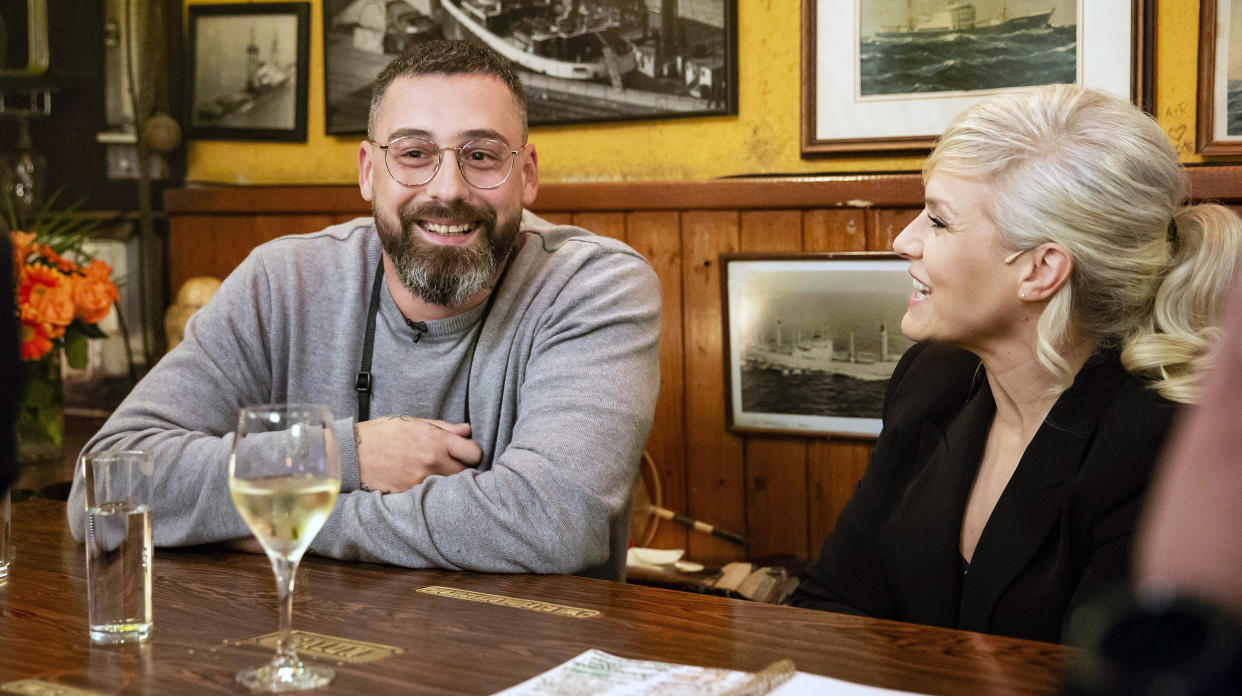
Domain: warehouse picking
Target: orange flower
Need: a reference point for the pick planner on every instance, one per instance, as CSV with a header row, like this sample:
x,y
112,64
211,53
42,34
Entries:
x,y
93,297
98,269
35,341
64,264
21,240
23,245
52,291
35,275
52,304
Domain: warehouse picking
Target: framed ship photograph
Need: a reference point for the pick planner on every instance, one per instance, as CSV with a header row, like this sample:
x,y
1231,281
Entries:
x,y
889,75
1219,114
811,340
247,71
580,61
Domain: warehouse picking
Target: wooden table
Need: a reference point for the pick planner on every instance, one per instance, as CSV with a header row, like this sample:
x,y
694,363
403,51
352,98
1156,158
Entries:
x,y
207,600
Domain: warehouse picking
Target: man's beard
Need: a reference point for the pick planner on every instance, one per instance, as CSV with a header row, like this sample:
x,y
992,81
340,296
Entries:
x,y
443,274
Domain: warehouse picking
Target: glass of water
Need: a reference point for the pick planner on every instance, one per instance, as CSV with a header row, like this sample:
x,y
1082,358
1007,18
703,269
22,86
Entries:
x,y
284,477
118,544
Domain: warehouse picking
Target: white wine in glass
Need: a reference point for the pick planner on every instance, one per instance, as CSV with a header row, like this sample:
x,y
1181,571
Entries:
x,y
284,477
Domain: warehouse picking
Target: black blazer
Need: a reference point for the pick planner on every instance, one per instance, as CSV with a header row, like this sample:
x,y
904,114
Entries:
x,y
1061,530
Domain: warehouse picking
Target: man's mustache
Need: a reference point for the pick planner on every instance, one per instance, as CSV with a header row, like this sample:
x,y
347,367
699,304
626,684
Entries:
x,y
457,209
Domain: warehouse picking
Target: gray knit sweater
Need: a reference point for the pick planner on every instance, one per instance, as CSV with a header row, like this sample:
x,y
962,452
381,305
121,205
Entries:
x,y
562,385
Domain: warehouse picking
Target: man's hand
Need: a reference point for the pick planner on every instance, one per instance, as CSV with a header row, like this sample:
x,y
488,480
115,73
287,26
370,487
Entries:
x,y
396,453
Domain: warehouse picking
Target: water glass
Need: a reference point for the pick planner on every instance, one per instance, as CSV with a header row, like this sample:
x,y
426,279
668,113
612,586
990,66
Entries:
x,y
118,544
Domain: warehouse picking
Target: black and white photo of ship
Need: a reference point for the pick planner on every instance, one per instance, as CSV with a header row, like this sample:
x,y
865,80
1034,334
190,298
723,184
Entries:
x,y
246,75
579,60
956,46
817,344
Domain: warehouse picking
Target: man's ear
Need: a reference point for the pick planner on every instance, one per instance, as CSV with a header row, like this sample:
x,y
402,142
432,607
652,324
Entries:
x,y
365,166
530,176
1048,269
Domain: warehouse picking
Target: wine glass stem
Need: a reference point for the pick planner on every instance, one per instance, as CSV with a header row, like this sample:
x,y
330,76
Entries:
x,y
285,571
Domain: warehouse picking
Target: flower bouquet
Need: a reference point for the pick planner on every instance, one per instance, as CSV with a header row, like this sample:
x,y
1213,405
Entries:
x,y
62,295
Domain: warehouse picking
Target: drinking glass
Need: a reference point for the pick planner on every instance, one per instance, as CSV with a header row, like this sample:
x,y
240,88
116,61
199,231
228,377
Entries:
x,y
117,487
284,477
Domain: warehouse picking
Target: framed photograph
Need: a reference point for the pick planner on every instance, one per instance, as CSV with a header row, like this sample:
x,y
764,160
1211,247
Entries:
x,y
1219,118
579,62
889,75
811,340
248,68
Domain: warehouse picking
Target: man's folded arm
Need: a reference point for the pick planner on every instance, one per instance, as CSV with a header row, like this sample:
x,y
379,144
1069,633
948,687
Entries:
x,y
549,500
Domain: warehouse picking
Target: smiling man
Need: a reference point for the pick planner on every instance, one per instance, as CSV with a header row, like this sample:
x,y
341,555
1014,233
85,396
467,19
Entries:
x,y
493,375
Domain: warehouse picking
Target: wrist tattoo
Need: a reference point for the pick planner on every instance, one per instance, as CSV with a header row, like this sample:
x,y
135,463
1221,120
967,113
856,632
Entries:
x,y
357,446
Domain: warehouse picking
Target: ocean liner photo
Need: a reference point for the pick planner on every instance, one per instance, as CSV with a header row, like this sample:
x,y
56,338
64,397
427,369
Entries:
x,y
960,18
818,354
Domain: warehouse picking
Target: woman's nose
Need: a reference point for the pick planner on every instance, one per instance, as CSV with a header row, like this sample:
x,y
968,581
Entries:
x,y
909,243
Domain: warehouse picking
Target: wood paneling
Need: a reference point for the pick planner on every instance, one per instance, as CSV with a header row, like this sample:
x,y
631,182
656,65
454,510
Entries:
x,y
834,230
714,466
606,224
784,493
775,466
657,236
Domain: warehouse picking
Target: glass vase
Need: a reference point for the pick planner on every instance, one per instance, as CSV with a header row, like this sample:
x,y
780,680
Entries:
x,y
41,410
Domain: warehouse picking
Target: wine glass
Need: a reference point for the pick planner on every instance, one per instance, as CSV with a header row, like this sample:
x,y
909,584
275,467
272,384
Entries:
x,y
284,477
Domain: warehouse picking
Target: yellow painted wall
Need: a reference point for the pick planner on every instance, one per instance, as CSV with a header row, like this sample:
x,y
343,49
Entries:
x,y
763,138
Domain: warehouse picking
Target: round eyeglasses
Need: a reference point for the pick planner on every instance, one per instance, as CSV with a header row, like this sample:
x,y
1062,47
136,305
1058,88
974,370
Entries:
x,y
413,161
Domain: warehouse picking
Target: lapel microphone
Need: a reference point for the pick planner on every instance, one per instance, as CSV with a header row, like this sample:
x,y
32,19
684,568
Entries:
x,y
419,328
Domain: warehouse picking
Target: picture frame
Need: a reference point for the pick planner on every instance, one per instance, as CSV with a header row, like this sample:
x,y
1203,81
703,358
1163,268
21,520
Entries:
x,y
867,86
568,74
1218,120
810,340
247,71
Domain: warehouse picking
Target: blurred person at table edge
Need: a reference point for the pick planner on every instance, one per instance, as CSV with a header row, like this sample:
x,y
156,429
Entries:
x,y
512,372
1064,300
9,363
1178,628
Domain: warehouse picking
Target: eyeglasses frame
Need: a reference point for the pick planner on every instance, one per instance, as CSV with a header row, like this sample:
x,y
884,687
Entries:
x,y
440,160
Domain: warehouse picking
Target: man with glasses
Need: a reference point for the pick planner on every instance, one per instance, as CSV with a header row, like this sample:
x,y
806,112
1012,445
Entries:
x,y
493,375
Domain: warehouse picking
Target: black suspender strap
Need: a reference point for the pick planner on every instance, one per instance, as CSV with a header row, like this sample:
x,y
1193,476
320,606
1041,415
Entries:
x,y
363,382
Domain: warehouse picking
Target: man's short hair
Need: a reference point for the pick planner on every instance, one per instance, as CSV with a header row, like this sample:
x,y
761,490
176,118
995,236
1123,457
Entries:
x,y
447,57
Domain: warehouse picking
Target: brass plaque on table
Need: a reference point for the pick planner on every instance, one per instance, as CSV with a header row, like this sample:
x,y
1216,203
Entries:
x,y
530,604
317,645
38,687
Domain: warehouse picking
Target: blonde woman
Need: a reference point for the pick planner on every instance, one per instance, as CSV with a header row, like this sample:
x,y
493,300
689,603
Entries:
x,y
1063,304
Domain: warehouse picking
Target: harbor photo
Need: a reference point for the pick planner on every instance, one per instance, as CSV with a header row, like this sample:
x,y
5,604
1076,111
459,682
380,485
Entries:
x,y
579,60
249,71
913,46
812,339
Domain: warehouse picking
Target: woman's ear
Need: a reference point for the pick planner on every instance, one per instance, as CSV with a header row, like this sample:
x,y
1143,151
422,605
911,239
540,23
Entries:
x,y
1047,268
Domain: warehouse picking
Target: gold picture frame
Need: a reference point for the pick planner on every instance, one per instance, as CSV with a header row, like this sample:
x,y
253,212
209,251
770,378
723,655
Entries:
x,y
840,117
1217,41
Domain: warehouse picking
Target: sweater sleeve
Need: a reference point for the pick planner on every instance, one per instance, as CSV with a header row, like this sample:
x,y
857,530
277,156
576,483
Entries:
x,y
551,500
184,411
